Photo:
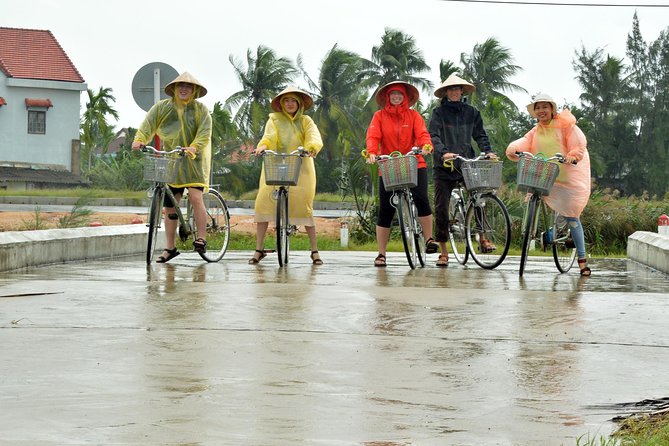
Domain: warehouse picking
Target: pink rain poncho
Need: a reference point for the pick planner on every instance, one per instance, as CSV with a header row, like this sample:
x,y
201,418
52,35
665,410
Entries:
x,y
571,191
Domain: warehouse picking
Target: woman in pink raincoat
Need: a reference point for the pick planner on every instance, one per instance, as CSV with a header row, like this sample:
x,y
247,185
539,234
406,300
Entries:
x,y
557,132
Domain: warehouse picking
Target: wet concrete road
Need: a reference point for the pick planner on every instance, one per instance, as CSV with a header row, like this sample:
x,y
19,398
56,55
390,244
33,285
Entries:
x,y
190,353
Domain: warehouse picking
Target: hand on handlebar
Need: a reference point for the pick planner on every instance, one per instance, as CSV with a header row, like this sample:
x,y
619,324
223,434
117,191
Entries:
x,y
260,150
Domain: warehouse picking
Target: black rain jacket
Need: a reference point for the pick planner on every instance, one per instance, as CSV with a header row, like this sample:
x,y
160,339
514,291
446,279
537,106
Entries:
x,y
452,127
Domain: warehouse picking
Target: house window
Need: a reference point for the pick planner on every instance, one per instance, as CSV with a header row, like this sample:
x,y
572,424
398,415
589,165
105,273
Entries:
x,y
37,109
36,122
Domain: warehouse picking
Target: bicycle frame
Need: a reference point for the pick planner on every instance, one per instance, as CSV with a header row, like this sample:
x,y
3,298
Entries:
x,y
547,226
479,223
217,222
282,223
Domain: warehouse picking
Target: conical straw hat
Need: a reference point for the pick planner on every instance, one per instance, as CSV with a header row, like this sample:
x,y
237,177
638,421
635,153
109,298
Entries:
x,y
452,81
188,78
307,102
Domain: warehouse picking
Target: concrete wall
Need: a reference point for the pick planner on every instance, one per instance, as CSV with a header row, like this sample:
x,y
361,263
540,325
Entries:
x,y
21,249
650,249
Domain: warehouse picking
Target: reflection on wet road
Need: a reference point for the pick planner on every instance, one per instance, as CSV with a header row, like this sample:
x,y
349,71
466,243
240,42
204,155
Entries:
x,y
345,353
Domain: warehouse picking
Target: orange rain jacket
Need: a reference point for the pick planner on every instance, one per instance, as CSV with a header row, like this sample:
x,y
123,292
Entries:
x,y
397,128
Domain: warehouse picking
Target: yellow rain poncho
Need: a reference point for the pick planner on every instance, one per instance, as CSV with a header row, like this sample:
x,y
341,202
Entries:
x,y
285,133
184,124
571,190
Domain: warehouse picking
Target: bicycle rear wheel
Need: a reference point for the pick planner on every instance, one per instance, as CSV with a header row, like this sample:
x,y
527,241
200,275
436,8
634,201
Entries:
x,y
155,218
488,219
564,251
282,229
528,231
456,228
407,229
218,225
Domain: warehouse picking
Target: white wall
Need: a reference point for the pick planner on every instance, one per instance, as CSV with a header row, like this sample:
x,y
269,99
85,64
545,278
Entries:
x,y
62,122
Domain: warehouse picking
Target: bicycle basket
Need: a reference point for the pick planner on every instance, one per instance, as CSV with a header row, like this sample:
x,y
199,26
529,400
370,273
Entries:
x,y
482,174
399,172
160,169
536,175
282,169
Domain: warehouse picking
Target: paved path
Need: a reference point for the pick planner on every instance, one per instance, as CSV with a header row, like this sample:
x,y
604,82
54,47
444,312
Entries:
x,y
113,352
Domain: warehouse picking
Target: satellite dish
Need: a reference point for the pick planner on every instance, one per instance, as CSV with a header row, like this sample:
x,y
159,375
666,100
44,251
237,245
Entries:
x,y
148,85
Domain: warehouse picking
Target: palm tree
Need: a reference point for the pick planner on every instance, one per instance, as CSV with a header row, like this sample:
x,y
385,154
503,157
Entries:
x,y
262,78
96,132
396,58
337,99
490,67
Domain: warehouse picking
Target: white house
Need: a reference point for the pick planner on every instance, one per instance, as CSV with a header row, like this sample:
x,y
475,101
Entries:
x,y
40,91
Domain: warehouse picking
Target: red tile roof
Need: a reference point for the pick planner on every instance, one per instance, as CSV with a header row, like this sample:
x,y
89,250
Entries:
x,y
35,54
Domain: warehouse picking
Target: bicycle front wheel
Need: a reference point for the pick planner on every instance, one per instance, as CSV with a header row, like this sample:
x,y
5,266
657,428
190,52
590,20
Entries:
x,y
218,226
456,228
407,229
419,237
488,231
528,231
564,251
155,218
282,227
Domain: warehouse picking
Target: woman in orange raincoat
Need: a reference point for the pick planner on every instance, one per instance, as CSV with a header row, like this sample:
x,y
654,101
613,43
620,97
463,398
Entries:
x,y
558,133
397,127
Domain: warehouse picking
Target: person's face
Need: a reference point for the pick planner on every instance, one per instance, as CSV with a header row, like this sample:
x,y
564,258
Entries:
x,y
396,97
544,112
290,105
184,90
454,94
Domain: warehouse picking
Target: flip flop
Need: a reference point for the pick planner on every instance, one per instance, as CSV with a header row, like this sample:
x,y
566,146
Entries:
x,y
442,262
380,260
316,258
171,253
255,260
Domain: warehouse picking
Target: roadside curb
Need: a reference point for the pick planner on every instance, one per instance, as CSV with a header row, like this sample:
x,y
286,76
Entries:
x,y
22,249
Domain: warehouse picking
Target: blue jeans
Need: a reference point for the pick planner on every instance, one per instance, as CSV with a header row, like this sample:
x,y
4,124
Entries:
x,y
577,235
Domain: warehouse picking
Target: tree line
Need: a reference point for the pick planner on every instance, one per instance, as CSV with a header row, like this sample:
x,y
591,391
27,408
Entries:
x,y
623,108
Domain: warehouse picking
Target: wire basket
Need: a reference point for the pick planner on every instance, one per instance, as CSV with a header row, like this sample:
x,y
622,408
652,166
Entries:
x,y
399,172
160,169
282,169
482,174
536,175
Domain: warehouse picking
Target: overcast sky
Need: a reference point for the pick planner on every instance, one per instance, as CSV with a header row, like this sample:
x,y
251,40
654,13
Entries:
x,y
110,41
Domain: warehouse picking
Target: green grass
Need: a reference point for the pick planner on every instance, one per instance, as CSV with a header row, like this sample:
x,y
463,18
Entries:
x,y
76,192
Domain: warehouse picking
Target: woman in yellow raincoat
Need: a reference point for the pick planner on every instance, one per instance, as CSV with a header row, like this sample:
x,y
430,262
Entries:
x,y
286,130
558,133
182,121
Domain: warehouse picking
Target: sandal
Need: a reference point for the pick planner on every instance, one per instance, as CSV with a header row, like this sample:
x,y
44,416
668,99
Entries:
x,y
200,245
487,246
431,246
171,253
316,258
257,257
380,260
442,262
585,270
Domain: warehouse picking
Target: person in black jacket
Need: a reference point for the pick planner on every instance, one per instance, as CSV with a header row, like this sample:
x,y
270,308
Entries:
x,y
452,127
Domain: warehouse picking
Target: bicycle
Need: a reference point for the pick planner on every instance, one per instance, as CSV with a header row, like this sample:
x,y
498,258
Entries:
x,y
479,222
536,175
283,170
400,174
160,167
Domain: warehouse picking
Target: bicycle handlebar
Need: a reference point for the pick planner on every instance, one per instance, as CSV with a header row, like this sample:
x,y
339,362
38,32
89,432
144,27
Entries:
x,y
483,156
560,158
150,149
300,151
413,152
